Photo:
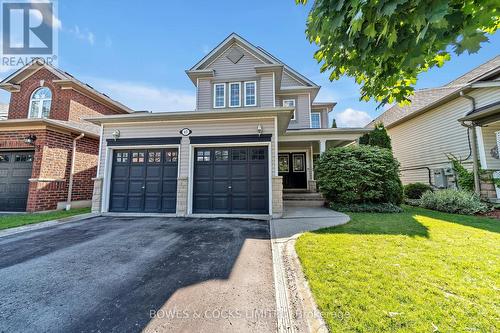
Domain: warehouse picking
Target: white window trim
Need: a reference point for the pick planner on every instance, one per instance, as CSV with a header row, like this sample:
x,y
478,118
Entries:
x,y
319,113
40,107
245,92
215,95
294,105
231,95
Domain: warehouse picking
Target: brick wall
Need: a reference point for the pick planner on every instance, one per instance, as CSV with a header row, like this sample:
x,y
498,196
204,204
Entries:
x,y
52,166
66,103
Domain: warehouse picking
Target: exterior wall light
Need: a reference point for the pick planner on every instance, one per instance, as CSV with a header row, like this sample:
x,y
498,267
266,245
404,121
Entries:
x,y
116,134
30,139
259,129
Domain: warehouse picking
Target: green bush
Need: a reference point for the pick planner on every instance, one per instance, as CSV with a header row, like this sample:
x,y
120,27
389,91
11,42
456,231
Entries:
x,y
366,207
453,201
359,174
415,190
378,137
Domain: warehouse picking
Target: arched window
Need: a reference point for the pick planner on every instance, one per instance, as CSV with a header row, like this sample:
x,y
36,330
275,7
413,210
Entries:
x,y
40,103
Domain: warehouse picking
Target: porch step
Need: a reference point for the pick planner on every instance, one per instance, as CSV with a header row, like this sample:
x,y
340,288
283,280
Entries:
x,y
303,199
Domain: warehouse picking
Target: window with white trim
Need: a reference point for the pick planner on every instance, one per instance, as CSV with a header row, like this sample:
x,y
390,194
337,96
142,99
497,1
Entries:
x,y
219,95
315,120
234,94
40,102
251,93
290,103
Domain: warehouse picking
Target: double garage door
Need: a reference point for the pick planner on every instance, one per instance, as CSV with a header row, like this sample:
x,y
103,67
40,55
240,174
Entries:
x,y
227,180
15,172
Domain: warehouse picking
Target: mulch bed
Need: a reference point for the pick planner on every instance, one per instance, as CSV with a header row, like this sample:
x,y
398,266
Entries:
x,y
494,214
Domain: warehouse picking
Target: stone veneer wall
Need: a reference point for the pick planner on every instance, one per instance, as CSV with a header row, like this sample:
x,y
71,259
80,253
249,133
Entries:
x,y
277,196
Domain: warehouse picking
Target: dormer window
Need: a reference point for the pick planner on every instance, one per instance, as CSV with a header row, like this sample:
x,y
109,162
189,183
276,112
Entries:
x,y
219,95
234,94
40,102
251,93
290,103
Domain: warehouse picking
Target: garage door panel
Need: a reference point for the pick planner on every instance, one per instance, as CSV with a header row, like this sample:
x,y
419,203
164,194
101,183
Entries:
x,y
169,186
4,173
258,170
220,186
259,204
221,170
144,181
220,203
240,204
239,186
239,171
202,203
258,186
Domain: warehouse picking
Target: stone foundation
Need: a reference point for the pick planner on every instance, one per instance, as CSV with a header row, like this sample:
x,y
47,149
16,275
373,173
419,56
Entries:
x,y
488,190
277,196
311,186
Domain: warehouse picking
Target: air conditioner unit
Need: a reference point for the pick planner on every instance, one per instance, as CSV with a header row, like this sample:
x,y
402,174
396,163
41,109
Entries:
x,y
440,178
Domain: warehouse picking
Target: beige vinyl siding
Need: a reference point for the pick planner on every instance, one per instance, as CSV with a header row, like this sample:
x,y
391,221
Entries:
x,y
302,110
289,81
325,122
265,89
426,139
204,94
215,127
226,69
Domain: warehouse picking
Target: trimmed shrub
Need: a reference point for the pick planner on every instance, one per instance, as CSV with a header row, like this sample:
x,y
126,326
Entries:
x,y
378,137
366,207
415,190
453,201
359,174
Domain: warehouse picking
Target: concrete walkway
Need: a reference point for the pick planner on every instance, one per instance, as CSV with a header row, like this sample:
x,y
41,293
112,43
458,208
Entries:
x,y
296,309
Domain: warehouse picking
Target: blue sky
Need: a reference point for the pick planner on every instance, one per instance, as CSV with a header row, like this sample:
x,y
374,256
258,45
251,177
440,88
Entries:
x,y
137,52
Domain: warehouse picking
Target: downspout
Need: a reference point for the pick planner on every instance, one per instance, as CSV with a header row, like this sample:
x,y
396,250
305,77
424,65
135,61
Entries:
x,y
475,158
72,172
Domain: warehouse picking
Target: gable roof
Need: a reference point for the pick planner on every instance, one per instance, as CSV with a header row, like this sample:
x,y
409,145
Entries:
x,y
11,83
257,51
425,99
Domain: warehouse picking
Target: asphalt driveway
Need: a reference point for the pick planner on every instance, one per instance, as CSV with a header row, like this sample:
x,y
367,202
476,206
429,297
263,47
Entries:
x,y
113,274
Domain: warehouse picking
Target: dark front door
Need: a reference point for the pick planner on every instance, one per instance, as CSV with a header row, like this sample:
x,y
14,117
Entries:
x,y
15,172
292,166
144,181
231,180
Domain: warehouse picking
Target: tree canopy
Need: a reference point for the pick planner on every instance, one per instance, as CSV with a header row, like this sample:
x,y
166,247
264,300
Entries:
x,y
385,44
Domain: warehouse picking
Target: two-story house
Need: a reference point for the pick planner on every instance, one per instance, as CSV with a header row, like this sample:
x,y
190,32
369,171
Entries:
x,y
48,153
255,132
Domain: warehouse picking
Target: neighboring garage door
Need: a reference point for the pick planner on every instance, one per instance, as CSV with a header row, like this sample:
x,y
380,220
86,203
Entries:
x,y
231,180
15,172
144,181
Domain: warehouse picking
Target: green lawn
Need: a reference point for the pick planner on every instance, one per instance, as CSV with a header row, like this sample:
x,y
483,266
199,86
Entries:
x,y
418,271
16,220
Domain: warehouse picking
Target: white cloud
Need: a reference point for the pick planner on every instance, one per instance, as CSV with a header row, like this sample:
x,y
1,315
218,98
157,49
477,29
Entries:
x,y
352,118
83,35
139,96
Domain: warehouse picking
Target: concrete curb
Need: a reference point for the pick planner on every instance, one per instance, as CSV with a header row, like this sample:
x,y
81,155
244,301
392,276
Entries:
x,y
46,224
297,310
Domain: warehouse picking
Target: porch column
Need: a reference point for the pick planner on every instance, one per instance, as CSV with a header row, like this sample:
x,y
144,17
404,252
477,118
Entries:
x,y
475,160
322,146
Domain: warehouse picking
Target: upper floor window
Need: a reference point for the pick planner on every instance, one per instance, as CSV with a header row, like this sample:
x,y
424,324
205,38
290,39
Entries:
x,y
40,103
290,103
250,93
234,94
315,120
219,95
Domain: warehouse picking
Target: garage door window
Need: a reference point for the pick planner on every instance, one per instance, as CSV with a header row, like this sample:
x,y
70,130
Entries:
x,y
203,156
239,154
138,157
258,154
221,155
154,157
121,158
24,158
4,158
171,156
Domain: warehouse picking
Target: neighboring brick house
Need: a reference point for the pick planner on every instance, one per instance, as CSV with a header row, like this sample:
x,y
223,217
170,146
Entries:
x,y
44,125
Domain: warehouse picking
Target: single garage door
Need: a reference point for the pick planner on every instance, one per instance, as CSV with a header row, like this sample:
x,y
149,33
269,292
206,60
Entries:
x,y
231,180
15,172
144,181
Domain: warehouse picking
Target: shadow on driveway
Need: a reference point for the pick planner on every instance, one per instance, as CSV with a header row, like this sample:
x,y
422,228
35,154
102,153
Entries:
x,y
110,274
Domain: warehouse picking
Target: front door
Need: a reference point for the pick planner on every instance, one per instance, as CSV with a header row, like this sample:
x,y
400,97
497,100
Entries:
x,y
292,167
